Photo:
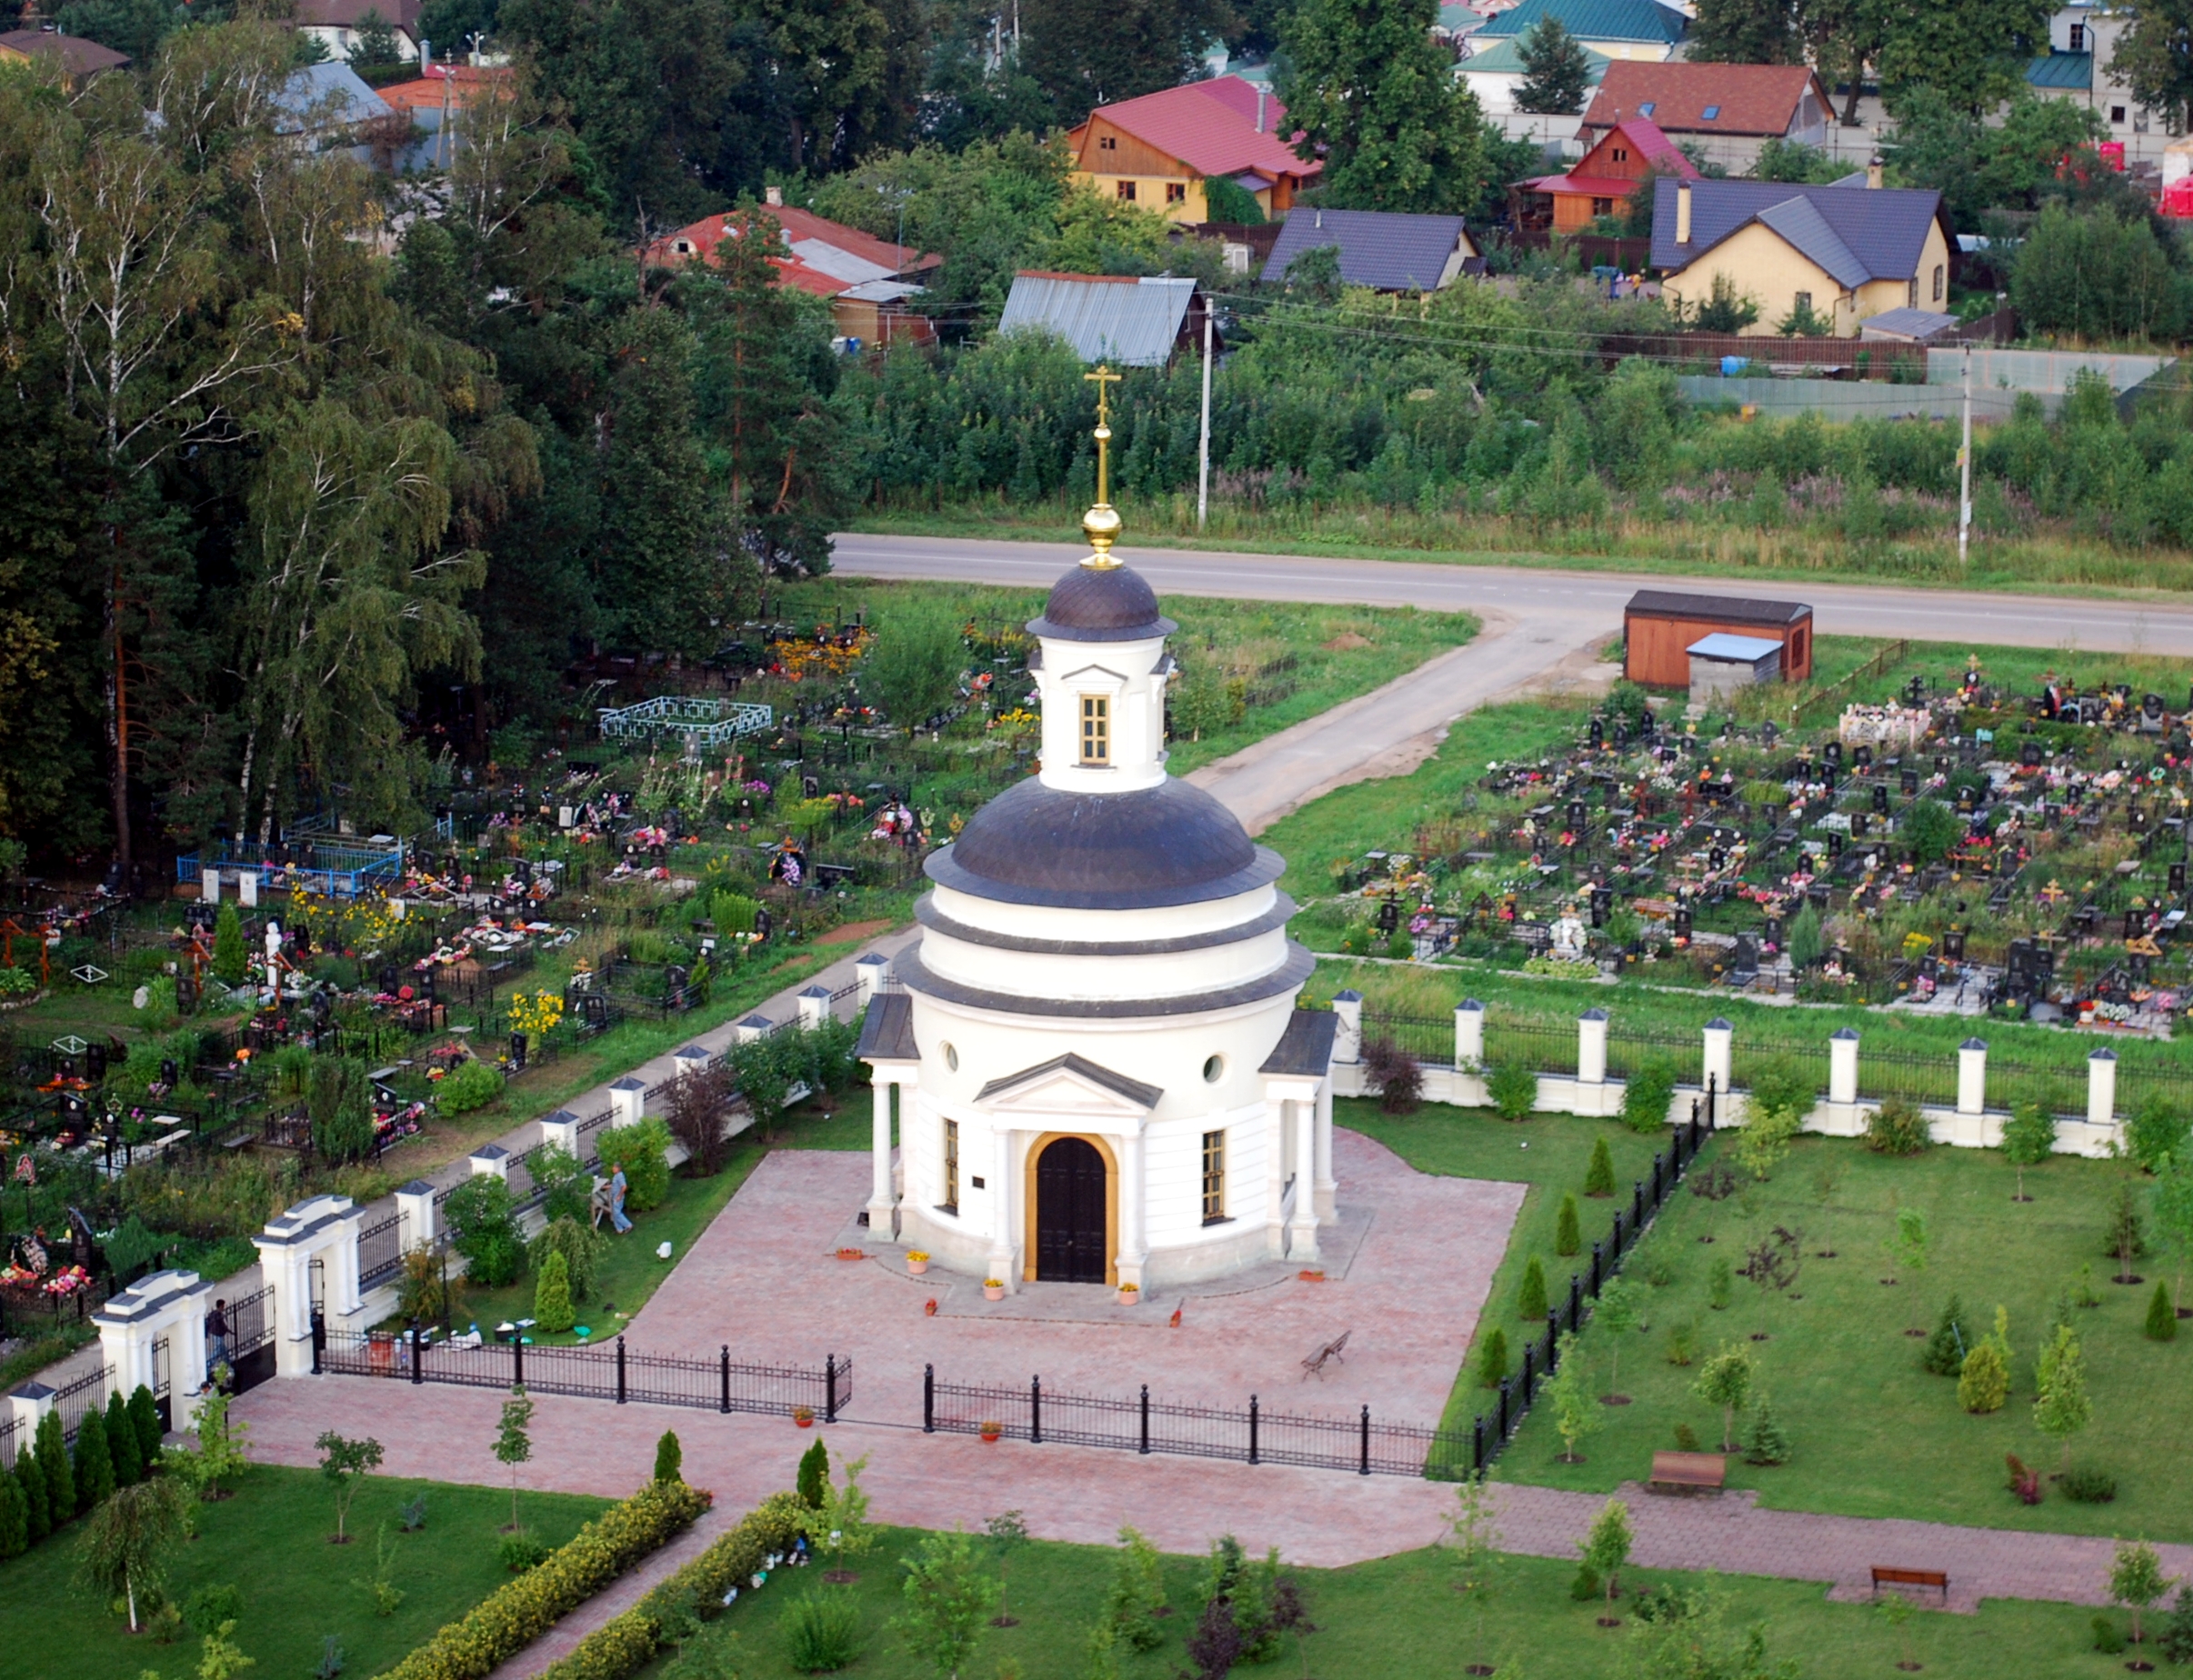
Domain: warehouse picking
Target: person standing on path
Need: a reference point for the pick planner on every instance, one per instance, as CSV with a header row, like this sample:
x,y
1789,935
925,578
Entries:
x,y
217,1338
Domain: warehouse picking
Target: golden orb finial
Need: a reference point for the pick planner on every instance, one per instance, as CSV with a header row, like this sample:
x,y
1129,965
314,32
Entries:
x,y
1102,523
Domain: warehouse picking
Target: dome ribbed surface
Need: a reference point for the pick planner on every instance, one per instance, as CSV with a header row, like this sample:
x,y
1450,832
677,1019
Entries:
x,y
1167,845
1102,604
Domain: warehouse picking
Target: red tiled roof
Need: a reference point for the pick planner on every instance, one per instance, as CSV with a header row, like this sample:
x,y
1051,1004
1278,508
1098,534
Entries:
x,y
458,84
703,236
1754,99
1655,147
806,224
1211,126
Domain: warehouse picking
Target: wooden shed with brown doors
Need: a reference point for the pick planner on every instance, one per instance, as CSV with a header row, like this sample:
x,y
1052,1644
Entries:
x,y
1659,626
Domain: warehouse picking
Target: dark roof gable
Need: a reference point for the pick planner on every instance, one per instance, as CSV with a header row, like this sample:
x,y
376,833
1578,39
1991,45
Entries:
x,y
1306,1048
1846,228
1119,1084
1721,609
887,1032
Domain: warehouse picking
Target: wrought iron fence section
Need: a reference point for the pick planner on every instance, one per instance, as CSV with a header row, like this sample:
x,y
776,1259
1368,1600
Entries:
x,y
10,1429
380,1250
1541,1046
1430,1039
249,1330
74,1400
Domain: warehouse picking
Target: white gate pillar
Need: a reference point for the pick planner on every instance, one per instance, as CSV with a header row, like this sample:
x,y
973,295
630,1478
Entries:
x,y
415,1207
1842,1066
1469,1035
1591,1047
754,1026
1719,1059
627,1099
1347,1042
323,1228
1972,1077
871,971
2101,1088
165,1306
814,1007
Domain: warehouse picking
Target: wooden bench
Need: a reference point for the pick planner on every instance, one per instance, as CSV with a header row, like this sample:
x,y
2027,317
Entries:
x,y
1935,1579
1688,1473
1314,1365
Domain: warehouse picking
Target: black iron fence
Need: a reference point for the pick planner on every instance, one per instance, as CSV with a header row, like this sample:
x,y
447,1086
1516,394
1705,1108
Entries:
x,y
250,1341
1430,1039
611,1372
77,1400
1364,1444
10,1440
380,1250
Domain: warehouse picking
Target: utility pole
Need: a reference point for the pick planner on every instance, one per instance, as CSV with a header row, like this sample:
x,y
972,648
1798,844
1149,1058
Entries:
x,y
1963,470
1202,454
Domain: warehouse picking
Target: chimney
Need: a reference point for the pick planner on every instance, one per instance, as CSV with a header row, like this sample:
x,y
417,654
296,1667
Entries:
x,y
1873,172
1260,97
1682,213
774,196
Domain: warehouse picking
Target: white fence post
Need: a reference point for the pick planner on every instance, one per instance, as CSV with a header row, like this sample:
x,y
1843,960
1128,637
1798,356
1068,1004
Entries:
x,y
814,1007
1972,1077
415,1210
690,1059
754,1026
493,1162
2101,1088
628,1100
1842,1066
561,1129
871,971
1719,1058
1469,1034
1347,1043
1591,1047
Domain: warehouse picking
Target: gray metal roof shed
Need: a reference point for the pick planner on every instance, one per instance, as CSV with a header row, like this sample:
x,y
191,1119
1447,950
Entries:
x,y
1128,322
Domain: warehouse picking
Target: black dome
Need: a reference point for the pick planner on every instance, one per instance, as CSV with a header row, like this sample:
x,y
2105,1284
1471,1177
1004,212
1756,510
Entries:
x,y
1102,604
1167,845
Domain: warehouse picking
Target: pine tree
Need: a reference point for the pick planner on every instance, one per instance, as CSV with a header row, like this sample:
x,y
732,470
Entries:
x,y
1951,1340
1568,1236
95,1462
670,1458
813,1476
30,1482
229,957
1599,1177
1492,1357
1555,70
14,1519
1765,1442
122,1441
552,1308
144,1412
52,1462
1530,1297
2162,1318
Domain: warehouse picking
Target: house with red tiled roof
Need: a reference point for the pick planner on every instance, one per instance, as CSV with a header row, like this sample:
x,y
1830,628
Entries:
x,y
1727,110
1158,150
1601,181
868,280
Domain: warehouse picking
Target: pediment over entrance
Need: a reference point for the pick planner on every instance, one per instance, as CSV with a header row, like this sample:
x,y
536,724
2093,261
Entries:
x,y
1070,1085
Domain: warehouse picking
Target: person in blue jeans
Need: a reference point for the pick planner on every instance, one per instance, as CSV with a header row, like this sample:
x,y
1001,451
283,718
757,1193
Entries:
x,y
617,1201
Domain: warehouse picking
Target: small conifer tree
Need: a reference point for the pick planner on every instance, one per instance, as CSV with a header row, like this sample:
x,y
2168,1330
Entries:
x,y
144,1414
1568,1235
670,1458
813,1476
1530,1297
95,1464
30,1482
552,1308
1951,1341
1983,1384
1492,1357
1599,1177
52,1459
2162,1318
122,1441
15,1520
1766,1442
229,956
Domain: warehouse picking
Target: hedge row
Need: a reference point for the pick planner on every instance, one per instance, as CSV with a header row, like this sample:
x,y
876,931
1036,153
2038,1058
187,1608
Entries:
x,y
623,1645
512,1617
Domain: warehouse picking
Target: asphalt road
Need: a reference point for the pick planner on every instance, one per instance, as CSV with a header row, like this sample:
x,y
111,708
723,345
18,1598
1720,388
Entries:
x,y
1585,603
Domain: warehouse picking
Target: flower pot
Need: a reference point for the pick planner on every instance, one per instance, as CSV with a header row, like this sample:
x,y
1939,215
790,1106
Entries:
x,y
991,1436
918,1268
993,1292
803,1416
1129,1297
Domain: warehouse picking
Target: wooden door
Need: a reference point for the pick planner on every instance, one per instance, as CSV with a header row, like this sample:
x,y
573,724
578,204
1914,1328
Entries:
x,y
1070,1238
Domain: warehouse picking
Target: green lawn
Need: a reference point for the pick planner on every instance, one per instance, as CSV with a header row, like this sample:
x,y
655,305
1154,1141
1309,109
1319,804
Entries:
x,y
1397,1619
272,1541
1875,1434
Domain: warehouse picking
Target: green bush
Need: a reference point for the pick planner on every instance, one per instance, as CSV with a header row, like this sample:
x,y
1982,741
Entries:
x,y
338,1097
486,1231
211,1605
230,958
1568,1235
1898,1128
520,1551
1513,1089
821,1633
552,1308
1645,1097
2088,1484
22,982
466,1087
1492,1357
581,1247
642,1151
512,1617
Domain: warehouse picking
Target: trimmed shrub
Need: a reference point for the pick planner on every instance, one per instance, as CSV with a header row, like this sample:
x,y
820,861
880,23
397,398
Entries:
x,y
813,1476
1952,1337
466,1087
1568,1234
669,1458
1513,1089
642,1151
2088,1484
95,1462
1645,1097
1530,1296
14,1519
144,1412
552,1308
1492,1357
2162,1318
1985,1383
512,1616
1898,1128
1599,1177
122,1441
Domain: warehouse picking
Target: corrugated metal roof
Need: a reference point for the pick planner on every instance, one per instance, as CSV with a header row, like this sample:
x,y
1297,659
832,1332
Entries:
x,y
1919,324
1130,322
330,95
1722,609
1504,57
1211,126
1379,249
1596,20
1720,644
2062,70
1883,228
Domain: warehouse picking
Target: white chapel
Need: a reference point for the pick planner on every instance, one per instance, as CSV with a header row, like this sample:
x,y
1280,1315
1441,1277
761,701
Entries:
x,y
1097,1066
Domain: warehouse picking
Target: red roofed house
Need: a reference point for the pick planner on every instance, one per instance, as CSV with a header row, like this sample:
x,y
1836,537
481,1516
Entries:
x,y
1159,150
1727,110
866,279
1601,181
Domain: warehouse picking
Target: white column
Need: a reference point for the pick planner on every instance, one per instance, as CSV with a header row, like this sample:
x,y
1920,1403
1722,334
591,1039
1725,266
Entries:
x,y
1134,1247
881,1206
323,1228
1719,1057
1000,1188
1328,1192
493,1162
28,1404
1302,1228
165,1306
627,1098
1842,1064
1347,1043
415,1207
2101,1088
561,1129
752,1027
1469,1034
871,971
284,1267
814,1007
1972,1077
689,1059
1591,1047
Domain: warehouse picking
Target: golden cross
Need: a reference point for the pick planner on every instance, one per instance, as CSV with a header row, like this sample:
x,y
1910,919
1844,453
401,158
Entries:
x,y
1103,376
1101,524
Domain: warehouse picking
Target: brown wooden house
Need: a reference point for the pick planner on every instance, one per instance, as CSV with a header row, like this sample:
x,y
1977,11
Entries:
x,y
1659,626
1602,180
